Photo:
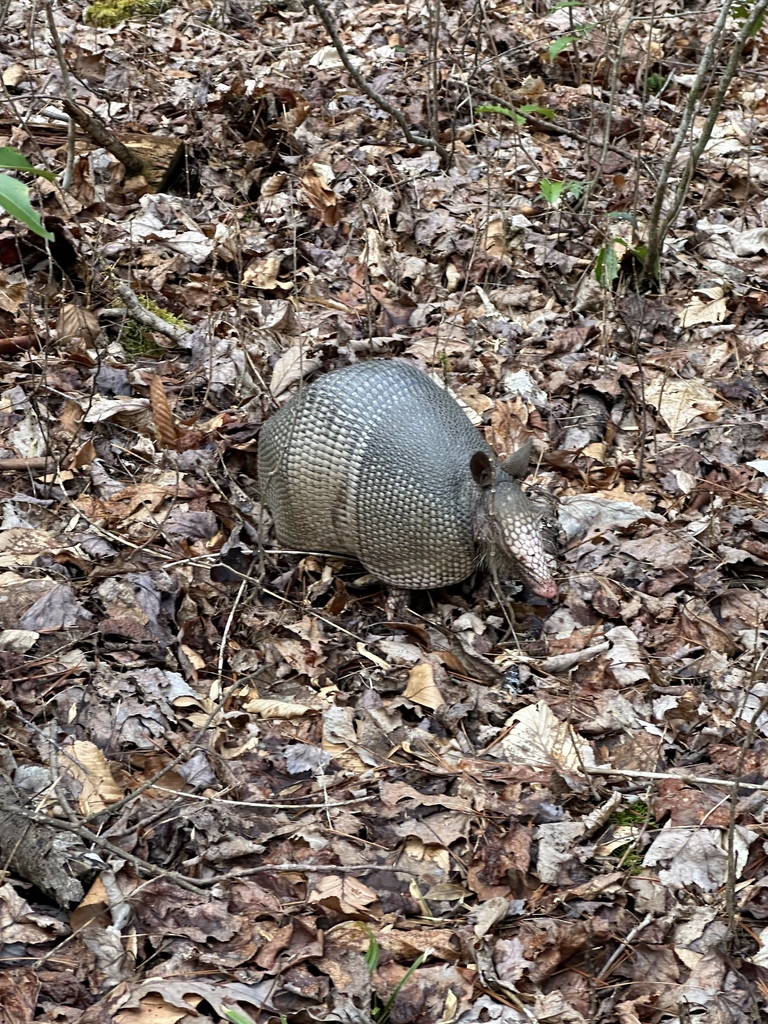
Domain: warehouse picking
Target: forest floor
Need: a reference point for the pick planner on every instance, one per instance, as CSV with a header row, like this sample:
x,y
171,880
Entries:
x,y
232,789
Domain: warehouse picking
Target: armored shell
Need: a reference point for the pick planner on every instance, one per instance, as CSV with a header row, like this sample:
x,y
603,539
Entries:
x,y
379,462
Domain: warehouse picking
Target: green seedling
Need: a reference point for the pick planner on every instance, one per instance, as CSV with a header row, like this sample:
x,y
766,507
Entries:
x,y
552,190
382,1012
516,114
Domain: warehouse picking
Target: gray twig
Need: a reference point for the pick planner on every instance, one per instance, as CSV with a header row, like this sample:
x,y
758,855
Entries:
x,y
415,140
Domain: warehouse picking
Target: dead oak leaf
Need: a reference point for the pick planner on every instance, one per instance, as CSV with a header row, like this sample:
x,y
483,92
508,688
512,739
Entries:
x,y
145,497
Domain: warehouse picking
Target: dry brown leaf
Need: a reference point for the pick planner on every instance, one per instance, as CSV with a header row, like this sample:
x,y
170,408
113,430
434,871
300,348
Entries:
x,y
77,323
165,423
263,273
95,906
421,687
345,893
71,418
294,364
539,738
83,456
494,239
84,762
277,709
318,192
680,401
708,306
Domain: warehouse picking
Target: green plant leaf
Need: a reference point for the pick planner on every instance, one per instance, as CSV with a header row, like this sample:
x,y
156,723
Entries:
x,y
741,12
758,26
606,265
239,1017
534,108
496,108
551,190
14,199
372,953
513,115
559,45
387,1012
13,160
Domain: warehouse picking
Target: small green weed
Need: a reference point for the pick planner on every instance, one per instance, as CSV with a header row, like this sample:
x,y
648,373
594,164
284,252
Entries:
x,y
633,815
382,1012
552,190
638,819
516,114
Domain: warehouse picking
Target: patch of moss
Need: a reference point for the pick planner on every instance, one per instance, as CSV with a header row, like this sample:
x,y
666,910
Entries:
x,y
638,818
108,13
138,340
631,861
635,814
169,318
655,82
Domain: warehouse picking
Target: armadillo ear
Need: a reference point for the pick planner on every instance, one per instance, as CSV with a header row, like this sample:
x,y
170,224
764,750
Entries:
x,y
482,469
517,463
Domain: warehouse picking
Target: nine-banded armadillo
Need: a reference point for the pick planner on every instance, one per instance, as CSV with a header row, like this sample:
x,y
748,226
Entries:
x,y
378,461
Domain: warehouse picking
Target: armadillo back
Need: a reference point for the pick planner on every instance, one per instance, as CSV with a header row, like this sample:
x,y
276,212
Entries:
x,y
373,461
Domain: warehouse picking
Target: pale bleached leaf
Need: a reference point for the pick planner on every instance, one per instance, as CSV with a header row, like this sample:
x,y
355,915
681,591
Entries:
x,y
540,739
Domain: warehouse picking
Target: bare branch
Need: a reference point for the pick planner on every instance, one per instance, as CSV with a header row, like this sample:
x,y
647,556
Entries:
x,y
415,140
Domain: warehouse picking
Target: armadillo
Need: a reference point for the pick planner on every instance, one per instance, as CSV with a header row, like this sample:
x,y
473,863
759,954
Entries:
x,y
377,461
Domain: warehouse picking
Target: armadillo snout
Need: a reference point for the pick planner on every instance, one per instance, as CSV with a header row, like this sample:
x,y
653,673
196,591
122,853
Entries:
x,y
519,536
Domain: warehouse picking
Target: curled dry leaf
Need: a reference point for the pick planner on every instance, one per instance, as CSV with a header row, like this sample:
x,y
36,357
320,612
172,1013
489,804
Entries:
x,y
278,709
85,763
165,423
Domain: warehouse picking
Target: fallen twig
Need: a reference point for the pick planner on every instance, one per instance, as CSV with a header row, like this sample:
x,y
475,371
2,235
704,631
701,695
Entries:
x,y
145,316
415,140
95,129
702,780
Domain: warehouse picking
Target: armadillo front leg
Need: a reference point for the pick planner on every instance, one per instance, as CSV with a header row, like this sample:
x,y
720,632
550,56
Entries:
x,y
396,604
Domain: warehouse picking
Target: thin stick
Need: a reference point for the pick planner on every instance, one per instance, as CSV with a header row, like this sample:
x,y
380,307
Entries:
x,y
142,867
66,180
702,780
415,140
145,316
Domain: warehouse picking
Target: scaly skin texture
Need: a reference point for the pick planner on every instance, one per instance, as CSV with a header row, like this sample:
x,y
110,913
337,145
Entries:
x,y
373,461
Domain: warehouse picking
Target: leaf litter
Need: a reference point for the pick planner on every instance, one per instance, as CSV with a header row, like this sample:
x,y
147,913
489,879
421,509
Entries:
x,y
230,782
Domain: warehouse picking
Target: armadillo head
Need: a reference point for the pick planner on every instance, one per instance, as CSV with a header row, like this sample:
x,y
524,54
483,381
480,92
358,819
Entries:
x,y
508,527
